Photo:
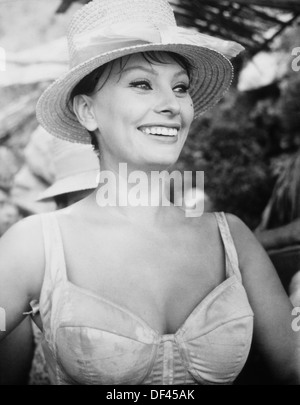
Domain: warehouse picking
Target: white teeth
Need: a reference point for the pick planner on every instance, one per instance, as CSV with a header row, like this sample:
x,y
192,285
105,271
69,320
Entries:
x,y
160,131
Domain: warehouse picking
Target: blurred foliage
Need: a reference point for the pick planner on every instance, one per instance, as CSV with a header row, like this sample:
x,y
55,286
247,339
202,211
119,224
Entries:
x,y
231,149
284,204
245,143
289,39
289,110
25,24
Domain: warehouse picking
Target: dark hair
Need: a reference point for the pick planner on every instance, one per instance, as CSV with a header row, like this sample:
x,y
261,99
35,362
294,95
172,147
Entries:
x,y
88,84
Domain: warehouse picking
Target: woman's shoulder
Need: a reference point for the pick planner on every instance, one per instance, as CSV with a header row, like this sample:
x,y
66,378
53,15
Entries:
x,y
22,250
29,226
228,223
236,226
239,231
247,246
232,228
207,220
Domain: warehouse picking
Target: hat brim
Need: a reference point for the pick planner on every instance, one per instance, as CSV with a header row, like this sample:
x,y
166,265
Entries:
x,y
211,77
29,205
79,182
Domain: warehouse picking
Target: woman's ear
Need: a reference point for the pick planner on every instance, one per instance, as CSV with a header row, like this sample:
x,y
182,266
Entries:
x,y
82,106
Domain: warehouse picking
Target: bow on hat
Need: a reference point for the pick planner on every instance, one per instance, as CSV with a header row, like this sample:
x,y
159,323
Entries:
x,y
100,41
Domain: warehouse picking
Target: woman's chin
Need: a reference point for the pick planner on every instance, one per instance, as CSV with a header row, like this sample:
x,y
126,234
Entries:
x,y
161,164
164,159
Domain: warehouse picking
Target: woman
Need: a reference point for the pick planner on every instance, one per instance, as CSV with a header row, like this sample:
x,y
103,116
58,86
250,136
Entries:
x,y
141,295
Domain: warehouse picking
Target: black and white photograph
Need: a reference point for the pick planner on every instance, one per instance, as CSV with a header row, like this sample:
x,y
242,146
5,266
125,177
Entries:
x,y
149,195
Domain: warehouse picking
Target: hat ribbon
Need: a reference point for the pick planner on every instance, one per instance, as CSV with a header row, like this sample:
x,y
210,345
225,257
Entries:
x,y
99,41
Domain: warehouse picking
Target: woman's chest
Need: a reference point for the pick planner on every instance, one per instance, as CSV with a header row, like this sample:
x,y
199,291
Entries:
x,y
160,279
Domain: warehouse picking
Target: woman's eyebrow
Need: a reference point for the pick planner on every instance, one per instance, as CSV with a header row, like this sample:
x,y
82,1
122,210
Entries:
x,y
151,70
137,67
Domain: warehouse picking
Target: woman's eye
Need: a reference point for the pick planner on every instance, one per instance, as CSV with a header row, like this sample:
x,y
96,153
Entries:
x,y
182,88
141,84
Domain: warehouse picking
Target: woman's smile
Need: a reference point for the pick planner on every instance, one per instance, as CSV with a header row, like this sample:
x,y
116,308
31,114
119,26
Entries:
x,y
162,133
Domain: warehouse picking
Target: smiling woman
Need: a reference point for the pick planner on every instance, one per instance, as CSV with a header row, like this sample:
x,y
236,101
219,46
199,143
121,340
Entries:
x,y
130,294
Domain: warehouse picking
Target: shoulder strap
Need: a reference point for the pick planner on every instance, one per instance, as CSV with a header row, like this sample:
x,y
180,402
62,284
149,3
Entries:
x,y
55,275
54,251
232,263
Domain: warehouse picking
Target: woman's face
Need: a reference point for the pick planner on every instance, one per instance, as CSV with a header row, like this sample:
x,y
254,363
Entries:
x,y
143,113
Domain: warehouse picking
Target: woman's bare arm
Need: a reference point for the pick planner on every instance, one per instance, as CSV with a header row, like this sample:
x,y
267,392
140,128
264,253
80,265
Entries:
x,y
21,270
283,236
273,332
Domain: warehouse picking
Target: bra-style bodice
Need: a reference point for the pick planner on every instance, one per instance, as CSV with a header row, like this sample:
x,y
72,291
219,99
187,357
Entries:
x,y
91,340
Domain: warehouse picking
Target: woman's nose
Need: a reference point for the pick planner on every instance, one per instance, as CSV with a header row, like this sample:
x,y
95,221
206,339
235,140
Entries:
x,y
167,103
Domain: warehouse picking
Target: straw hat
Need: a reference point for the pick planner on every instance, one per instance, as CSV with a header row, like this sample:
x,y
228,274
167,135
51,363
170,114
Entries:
x,y
104,30
76,169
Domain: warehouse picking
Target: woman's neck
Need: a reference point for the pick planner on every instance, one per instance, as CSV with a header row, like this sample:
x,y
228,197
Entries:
x,y
140,196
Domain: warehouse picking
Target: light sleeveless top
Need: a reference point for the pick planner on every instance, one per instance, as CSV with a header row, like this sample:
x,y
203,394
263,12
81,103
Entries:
x,y
91,340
